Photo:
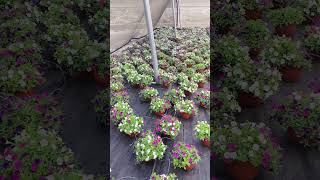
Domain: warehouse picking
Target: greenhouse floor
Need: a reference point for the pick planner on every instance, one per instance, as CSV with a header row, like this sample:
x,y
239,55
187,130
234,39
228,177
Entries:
x,y
123,162
298,163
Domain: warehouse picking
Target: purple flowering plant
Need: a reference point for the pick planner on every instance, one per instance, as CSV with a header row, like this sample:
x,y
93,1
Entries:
x,y
168,126
203,97
247,142
174,95
301,112
131,124
119,111
170,176
149,93
184,155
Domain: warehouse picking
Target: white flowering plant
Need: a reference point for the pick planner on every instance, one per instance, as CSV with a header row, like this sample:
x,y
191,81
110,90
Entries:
x,y
247,142
168,126
283,52
300,111
255,33
258,79
311,8
116,86
189,86
119,111
131,124
202,130
199,78
167,77
159,105
134,77
181,77
174,95
312,42
149,147
186,106
145,69
285,16
184,155
203,97
149,93
170,176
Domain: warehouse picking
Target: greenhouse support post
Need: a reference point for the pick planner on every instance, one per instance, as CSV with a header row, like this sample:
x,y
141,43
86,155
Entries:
x,y
151,39
174,17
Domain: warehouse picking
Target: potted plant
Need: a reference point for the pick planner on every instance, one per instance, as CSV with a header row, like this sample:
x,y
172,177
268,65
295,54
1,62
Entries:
x,y
134,78
181,77
298,115
311,10
254,8
285,20
224,105
119,111
189,87
202,130
116,86
285,55
174,95
146,80
200,67
199,79
226,16
159,106
189,62
149,93
145,69
170,176
203,97
168,126
186,108
121,96
149,147
312,44
255,82
131,125
167,78
21,80
254,35
185,156
245,148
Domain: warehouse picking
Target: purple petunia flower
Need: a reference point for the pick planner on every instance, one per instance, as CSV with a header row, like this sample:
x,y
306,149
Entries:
x,y
175,155
266,159
15,175
17,165
232,147
306,112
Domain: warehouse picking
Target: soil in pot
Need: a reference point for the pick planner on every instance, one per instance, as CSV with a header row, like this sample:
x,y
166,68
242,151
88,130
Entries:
x,y
288,30
185,115
241,170
290,74
190,167
248,100
205,142
201,84
253,14
187,93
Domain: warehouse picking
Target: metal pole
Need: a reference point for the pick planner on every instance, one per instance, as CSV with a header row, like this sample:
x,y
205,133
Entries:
x,y
174,18
151,39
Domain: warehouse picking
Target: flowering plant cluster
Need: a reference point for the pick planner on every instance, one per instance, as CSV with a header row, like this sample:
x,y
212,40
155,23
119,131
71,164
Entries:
x,y
311,8
285,16
184,155
224,105
203,97
116,86
247,142
255,33
149,93
199,78
174,95
159,105
312,41
19,79
300,113
282,52
202,130
170,176
145,69
189,86
149,147
119,111
255,5
186,106
168,126
100,21
167,77
131,124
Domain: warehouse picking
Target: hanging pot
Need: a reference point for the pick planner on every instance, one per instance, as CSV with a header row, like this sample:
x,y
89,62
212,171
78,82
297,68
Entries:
x,y
248,100
241,170
185,115
205,142
290,74
287,30
190,167
253,14
201,84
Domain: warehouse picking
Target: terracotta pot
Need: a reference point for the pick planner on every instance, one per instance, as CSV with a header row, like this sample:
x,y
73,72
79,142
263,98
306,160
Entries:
x,y
293,136
201,70
201,84
253,14
189,168
189,65
290,74
133,135
248,100
100,80
185,115
254,52
83,75
205,142
288,30
25,94
202,105
141,86
159,114
187,93
241,170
